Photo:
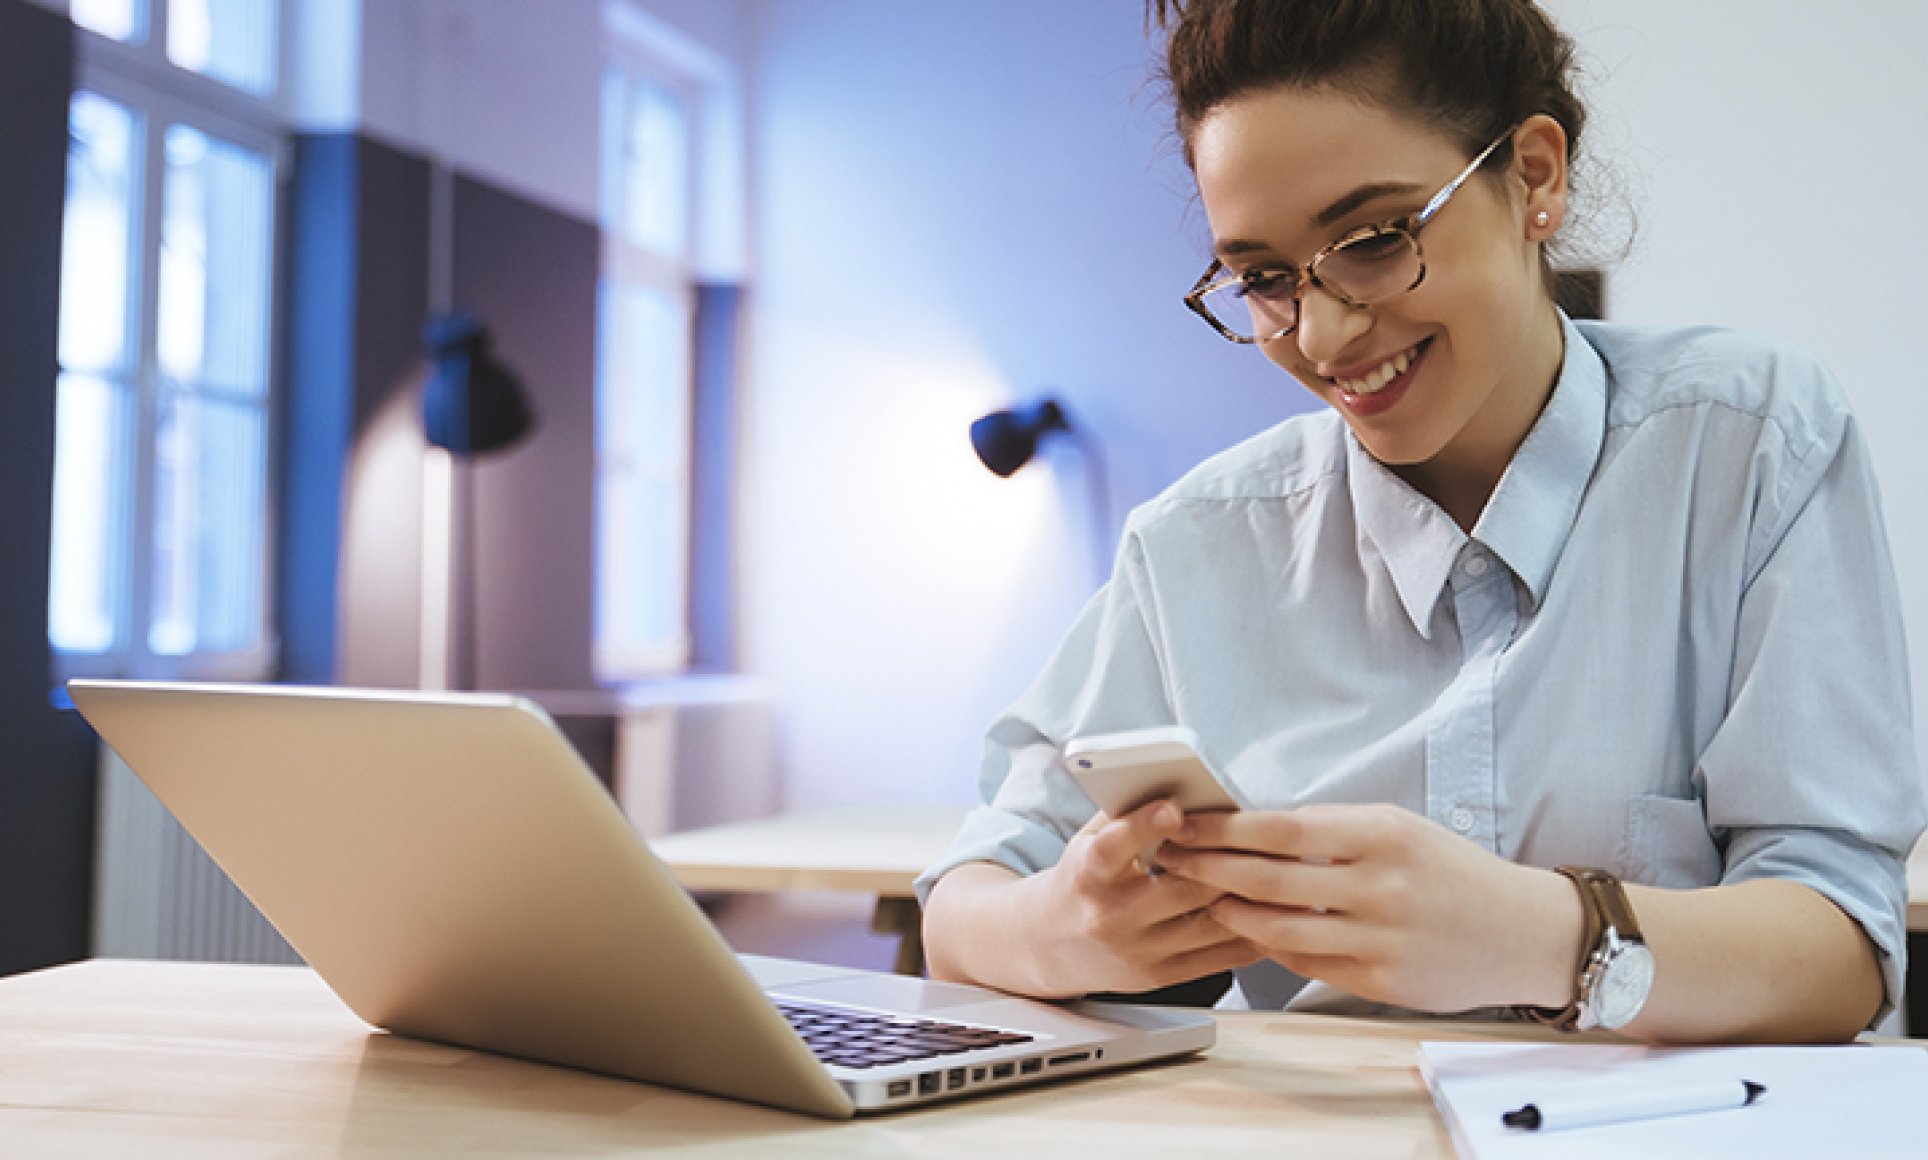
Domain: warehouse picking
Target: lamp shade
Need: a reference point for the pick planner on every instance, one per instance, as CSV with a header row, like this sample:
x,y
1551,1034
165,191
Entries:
x,y
1006,440
471,403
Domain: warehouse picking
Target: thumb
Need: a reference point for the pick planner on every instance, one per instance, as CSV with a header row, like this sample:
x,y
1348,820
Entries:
x,y
1117,843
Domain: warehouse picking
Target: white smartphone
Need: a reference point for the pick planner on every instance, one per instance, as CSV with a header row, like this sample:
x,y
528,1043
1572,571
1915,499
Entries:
x,y
1122,771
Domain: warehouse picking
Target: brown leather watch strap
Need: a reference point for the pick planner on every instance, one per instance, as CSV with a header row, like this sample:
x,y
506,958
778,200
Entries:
x,y
1610,899
1594,919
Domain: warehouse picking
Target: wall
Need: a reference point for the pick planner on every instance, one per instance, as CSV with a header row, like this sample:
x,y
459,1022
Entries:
x,y
507,90
956,206
508,95
1780,184
46,756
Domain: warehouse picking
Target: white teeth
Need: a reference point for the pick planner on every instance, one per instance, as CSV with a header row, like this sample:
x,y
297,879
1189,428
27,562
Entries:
x,y
1375,382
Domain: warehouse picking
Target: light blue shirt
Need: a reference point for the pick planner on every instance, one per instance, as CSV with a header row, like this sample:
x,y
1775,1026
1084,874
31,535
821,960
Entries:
x,y
1671,647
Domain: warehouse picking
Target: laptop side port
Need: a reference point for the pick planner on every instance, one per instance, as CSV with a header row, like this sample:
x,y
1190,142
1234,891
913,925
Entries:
x,y
1003,1070
954,1079
1031,1066
930,1083
898,1089
1071,1057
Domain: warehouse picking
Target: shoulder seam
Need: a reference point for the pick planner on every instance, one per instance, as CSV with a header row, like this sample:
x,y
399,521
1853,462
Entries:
x,y
1308,484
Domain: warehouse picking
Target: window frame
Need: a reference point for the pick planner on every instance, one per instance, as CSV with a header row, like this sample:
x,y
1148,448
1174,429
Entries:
x,y
138,76
637,54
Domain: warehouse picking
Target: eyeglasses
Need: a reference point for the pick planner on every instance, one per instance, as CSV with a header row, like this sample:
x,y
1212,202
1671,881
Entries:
x,y
1367,266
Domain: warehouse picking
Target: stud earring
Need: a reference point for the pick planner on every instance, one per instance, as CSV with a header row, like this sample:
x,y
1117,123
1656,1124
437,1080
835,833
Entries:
x,y
1541,219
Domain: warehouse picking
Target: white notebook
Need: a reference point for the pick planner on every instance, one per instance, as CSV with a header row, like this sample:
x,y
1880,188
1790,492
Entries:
x,y
1857,1100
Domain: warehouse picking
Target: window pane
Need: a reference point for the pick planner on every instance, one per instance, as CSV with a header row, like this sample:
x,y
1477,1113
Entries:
x,y
93,452
641,605
97,255
647,394
216,241
232,41
656,170
642,425
210,482
120,19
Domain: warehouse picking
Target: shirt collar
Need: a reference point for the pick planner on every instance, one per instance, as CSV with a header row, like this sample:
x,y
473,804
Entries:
x,y
1414,536
1531,513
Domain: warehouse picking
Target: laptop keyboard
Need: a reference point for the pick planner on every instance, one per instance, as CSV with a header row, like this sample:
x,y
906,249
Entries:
x,y
850,1038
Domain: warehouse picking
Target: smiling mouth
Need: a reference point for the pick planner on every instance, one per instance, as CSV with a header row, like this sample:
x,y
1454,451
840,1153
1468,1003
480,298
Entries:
x,y
1377,379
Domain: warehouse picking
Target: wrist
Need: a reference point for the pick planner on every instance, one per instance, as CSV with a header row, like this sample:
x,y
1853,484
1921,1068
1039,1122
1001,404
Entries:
x,y
1041,953
1554,924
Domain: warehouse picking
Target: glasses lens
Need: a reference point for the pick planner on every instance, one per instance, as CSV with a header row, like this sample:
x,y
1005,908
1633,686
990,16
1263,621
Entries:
x,y
1372,265
1258,306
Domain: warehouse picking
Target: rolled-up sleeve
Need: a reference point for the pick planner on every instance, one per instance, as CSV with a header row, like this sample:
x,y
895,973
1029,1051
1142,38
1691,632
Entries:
x,y
1812,775
1106,676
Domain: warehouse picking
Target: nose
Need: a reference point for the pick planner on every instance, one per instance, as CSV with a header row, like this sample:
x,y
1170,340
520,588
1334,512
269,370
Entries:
x,y
1327,324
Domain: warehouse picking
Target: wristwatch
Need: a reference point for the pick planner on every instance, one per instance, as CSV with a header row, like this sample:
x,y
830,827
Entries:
x,y
1616,968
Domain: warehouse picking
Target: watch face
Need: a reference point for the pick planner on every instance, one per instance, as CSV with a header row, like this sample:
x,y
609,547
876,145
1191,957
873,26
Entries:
x,y
1622,986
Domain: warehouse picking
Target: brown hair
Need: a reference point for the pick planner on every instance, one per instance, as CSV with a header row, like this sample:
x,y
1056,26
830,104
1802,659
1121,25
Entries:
x,y
1471,68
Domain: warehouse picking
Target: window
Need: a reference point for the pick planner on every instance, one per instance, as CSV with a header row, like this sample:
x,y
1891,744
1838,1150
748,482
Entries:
x,y
673,221
160,549
644,331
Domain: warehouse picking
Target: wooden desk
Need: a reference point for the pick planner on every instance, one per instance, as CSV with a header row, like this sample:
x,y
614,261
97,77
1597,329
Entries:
x,y
877,850
122,1058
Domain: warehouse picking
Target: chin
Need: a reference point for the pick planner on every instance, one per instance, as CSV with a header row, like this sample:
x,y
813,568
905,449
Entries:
x,y
1393,451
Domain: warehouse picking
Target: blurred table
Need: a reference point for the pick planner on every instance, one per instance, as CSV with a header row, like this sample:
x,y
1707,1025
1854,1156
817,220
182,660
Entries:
x,y
875,850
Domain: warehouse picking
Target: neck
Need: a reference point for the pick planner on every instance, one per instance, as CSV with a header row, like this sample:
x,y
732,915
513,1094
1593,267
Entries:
x,y
1462,477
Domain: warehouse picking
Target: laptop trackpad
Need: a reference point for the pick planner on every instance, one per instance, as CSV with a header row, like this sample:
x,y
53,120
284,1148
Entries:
x,y
892,992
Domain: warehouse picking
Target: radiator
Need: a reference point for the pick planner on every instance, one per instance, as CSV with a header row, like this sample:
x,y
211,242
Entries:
x,y
157,895
687,754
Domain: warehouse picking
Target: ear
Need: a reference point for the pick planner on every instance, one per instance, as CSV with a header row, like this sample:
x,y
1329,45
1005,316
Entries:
x,y
1540,172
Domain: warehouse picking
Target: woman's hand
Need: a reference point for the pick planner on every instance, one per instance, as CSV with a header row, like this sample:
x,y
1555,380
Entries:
x,y
1385,904
1095,921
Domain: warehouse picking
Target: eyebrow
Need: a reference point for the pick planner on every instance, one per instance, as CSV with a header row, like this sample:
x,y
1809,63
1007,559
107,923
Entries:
x,y
1344,207
1364,195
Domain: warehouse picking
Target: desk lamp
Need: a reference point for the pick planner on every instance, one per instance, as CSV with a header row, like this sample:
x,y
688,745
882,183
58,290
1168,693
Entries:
x,y
1006,440
472,405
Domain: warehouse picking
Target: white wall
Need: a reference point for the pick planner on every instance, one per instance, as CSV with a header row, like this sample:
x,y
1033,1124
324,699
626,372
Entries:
x,y
955,206
507,90
1781,182
959,204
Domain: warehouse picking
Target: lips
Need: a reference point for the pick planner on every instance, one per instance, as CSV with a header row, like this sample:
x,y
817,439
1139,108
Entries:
x,y
1381,388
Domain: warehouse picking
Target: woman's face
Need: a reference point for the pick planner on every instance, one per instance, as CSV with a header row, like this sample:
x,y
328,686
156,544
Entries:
x,y
1284,172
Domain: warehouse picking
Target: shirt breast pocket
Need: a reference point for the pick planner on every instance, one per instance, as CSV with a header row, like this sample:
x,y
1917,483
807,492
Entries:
x,y
1668,843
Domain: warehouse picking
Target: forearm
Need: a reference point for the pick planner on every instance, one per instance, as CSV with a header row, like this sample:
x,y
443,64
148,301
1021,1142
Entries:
x,y
1766,960
978,928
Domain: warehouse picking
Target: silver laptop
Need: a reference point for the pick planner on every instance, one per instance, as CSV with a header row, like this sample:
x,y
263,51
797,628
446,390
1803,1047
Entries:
x,y
454,871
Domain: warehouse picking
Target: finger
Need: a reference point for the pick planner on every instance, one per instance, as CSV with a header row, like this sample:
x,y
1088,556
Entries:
x,y
1151,900
1229,955
1116,843
1275,881
1181,935
1336,970
1324,832
1298,932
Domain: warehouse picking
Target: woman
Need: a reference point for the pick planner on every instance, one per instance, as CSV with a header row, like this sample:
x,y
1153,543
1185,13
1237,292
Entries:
x,y
1527,594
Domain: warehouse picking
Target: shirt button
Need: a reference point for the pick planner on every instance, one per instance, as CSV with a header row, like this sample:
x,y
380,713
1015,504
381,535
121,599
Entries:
x,y
1476,565
1462,819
